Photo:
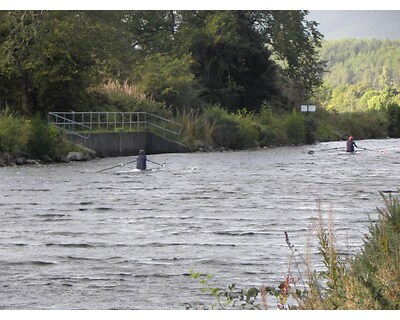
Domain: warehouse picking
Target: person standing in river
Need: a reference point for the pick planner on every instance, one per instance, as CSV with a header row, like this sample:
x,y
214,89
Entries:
x,y
350,144
141,161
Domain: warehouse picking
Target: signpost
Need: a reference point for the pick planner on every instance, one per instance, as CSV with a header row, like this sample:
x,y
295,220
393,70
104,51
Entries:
x,y
308,108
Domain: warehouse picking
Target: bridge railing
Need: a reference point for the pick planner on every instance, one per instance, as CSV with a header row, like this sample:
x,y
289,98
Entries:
x,y
83,124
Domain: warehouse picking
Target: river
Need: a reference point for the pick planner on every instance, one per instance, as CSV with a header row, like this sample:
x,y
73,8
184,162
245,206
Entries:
x,y
72,238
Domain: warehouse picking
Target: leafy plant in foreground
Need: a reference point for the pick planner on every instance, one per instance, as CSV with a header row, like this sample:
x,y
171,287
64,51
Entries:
x,y
226,299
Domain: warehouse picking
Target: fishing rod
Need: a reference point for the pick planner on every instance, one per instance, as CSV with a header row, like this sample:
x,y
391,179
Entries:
x,y
119,165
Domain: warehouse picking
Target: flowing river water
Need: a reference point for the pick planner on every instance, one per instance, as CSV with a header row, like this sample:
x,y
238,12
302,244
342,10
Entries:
x,y
71,238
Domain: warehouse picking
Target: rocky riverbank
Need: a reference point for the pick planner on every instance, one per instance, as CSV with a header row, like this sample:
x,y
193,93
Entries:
x,y
7,159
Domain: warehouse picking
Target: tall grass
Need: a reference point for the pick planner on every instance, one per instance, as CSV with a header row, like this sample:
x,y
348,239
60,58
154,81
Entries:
x,y
371,279
124,88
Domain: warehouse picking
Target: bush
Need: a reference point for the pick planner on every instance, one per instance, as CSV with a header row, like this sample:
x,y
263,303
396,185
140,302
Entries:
x,y
31,138
41,141
232,131
393,116
13,133
249,130
273,131
295,128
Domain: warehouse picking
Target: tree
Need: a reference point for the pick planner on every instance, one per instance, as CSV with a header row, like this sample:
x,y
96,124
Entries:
x,y
56,56
295,41
236,54
168,79
51,60
231,63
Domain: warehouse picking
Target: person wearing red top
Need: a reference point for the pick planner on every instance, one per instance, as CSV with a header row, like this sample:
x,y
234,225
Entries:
x,y
350,144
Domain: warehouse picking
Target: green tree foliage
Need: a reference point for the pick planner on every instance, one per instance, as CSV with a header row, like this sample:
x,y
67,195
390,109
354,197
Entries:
x,y
294,40
168,79
363,77
370,62
362,74
152,31
236,54
52,60
231,63
53,57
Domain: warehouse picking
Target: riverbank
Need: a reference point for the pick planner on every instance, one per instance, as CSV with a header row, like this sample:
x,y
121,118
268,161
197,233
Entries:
x,y
7,159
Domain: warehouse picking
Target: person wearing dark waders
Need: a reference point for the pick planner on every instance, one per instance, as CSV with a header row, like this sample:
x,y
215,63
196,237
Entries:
x,y
141,161
350,144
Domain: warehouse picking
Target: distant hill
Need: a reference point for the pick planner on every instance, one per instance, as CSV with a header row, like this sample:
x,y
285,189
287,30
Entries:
x,y
358,24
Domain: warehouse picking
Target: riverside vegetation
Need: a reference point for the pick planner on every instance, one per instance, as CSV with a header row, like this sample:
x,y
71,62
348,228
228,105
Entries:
x,y
212,129
25,141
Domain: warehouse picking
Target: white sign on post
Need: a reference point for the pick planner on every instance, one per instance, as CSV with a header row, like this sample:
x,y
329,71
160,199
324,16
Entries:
x,y
308,108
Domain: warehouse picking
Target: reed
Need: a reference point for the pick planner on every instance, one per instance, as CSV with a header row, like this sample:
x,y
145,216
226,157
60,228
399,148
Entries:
x,y
368,281
126,88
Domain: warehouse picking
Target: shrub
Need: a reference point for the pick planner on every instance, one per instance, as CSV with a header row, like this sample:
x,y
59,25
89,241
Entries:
x,y
273,131
295,128
41,142
13,133
232,131
393,116
249,130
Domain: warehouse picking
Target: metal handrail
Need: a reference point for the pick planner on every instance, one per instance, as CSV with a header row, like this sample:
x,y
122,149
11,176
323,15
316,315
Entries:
x,y
83,124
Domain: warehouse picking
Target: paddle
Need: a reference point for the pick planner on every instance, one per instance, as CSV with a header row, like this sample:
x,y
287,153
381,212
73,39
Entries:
x,y
381,151
162,165
119,165
312,151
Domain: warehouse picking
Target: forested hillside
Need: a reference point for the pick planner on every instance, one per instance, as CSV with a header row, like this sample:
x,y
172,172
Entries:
x,y
361,74
372,62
